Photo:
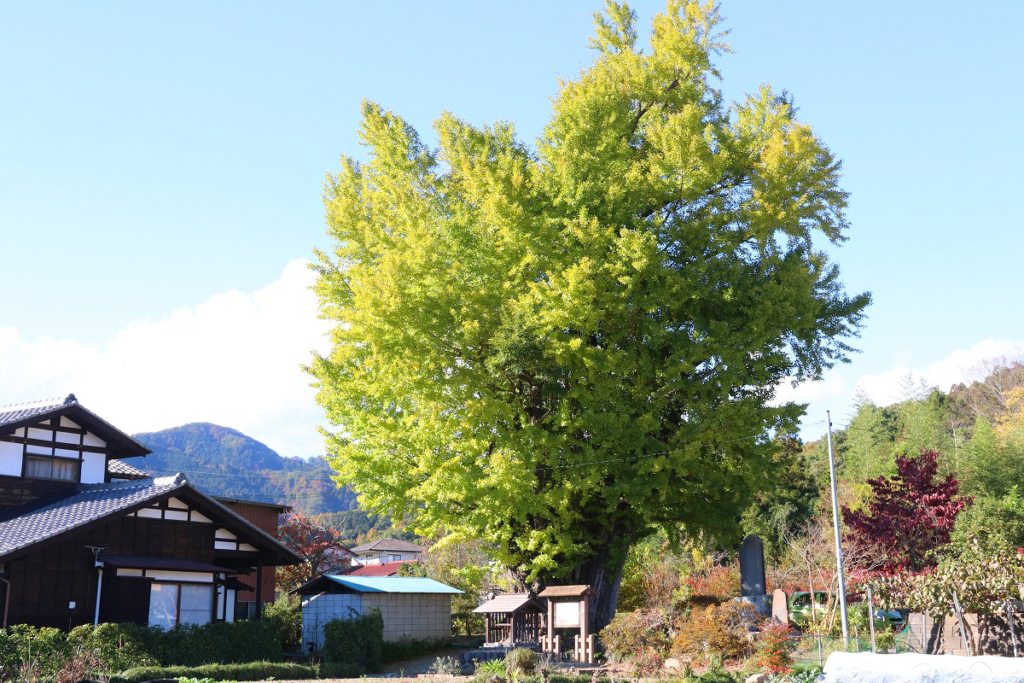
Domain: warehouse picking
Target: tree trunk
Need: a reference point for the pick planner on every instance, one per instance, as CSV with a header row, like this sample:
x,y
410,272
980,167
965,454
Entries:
x,y
603,573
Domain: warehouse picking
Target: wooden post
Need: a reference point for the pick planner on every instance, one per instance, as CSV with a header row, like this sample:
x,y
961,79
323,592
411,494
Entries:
x,y
259,590
512,629
487,628
551,626
584,626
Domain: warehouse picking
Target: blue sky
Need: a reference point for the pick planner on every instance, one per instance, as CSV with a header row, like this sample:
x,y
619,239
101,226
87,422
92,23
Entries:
x,y
161,168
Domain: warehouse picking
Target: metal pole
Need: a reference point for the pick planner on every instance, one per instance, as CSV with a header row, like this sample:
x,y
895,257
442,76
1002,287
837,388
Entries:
x,y
871,619
835,524
924,632
99,592
1013,631
963,631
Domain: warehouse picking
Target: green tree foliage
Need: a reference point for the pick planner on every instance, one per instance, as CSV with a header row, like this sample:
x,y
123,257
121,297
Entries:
x,y
787,502
558,348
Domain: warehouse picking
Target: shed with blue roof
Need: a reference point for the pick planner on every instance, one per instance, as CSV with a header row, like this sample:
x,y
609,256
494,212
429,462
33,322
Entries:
x,y
412,607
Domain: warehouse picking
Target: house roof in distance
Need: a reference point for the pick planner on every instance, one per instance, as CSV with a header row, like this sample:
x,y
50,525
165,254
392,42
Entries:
x,y
378,584
382,569
388,545
25,414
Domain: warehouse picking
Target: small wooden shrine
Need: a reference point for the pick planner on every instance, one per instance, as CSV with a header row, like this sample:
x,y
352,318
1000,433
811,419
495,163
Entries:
x,y
568,608
511,619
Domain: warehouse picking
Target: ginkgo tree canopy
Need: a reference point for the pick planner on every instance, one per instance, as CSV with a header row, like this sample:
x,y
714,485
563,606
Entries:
x,y
558,347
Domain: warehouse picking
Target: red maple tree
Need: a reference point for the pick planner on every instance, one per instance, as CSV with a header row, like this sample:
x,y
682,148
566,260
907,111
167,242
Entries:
x,y
319,546
910,514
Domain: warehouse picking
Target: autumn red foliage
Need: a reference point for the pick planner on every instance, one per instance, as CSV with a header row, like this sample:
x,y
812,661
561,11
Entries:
x,y
909,514
318,545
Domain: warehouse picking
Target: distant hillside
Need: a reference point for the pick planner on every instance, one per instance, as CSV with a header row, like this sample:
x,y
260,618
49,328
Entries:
x,y
225,462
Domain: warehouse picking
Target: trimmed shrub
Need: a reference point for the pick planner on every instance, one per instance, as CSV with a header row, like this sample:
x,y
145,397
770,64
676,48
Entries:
x,y
636,632
47,654
286,614
252,671
358,641
521,661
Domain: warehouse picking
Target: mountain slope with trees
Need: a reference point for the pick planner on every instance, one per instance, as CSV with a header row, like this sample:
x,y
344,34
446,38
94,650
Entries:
x,y
226,462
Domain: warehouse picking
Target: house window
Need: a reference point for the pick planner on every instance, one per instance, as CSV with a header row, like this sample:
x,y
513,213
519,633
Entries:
x,y
394,558
171,604
48,467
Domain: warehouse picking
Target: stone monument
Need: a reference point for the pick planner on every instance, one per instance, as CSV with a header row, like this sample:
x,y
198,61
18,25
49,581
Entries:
x,y
752,581
780,605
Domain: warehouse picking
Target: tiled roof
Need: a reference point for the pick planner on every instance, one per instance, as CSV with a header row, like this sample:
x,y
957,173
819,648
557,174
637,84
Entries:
x,y
23,411
90,503
122,470
508,603
383,569
48,518
20,414
389,544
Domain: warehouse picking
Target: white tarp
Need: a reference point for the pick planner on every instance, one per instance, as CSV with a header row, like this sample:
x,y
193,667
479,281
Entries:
x,y
864,667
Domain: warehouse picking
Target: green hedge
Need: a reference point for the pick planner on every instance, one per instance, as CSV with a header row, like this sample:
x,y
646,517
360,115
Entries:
x,y
252,671
117,647
358,641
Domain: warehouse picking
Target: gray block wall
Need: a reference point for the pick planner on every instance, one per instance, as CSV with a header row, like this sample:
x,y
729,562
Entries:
x,y
406,615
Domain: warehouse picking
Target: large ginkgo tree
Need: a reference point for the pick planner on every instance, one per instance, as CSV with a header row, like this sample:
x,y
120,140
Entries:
x,y
559,347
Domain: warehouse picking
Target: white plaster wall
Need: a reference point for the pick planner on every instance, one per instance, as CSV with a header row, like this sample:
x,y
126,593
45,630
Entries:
x,y
91,439
317,610
94,468
10,459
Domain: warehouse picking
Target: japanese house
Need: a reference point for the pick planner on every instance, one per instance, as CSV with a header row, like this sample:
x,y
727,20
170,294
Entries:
x,y
85,538
387,550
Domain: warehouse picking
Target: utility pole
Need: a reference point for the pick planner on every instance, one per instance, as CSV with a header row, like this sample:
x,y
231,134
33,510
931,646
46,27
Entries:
x,y
839,545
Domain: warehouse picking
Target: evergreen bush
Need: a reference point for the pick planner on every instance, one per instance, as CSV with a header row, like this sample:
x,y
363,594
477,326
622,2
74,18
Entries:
x,y
358,641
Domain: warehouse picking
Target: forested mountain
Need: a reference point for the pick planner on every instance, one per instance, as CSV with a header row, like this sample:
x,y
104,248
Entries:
x,y
225,462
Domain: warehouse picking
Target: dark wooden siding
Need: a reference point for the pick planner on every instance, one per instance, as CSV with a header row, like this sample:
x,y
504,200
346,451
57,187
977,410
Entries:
x,y
265,518
15,491
46,581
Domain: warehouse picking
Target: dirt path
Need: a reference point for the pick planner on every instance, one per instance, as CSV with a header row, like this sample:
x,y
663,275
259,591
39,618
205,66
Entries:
x,y
415,667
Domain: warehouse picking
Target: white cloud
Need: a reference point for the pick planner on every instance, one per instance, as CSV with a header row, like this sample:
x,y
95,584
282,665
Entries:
x,y
894,385
233,360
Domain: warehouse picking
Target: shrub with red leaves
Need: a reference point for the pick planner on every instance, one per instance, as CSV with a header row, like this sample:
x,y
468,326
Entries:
x,y
774,646
909,514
